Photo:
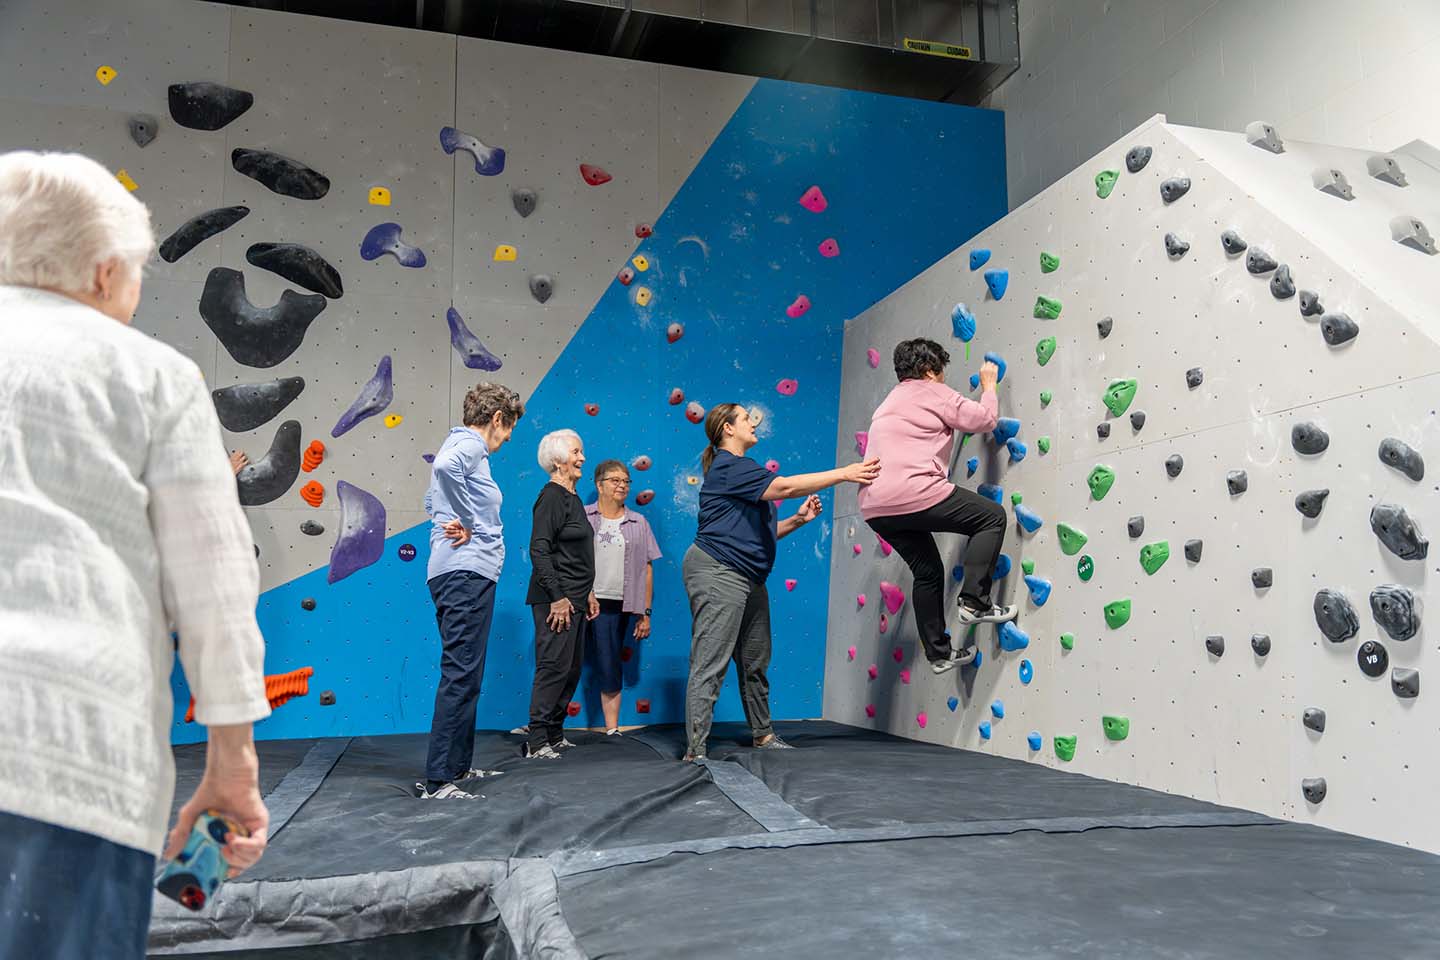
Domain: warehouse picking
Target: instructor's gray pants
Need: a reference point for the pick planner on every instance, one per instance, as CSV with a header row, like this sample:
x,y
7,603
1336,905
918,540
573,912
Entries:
x,y
730,617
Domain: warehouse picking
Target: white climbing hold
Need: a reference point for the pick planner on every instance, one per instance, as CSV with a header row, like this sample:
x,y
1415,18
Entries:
x,y
1263,135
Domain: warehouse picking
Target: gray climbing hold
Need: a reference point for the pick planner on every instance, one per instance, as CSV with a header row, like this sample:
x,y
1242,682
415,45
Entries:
x,y
1257,261
246,406
1396,609
312,529
255,336
524,201
1332,181
1175,248
327,698
1237,482
1105,326
1386,168
271,476
1232,243
1136,158
1405,683
541,287
1334,616
1282,287
1137,419
207,106
143,128
1193,549
1102,430
1263,135
1396,453
197,230
1311,502
1262,578
1313,788
1314,719
1372,658
1215,645
281,175
1135,526
1310,305
1398,532
308,603
1174,188
1412,233
298,264
1308,438
1338,328
1260,643
1194,377
1174,464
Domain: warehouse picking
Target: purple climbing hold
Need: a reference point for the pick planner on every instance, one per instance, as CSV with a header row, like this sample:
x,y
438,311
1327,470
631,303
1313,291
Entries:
x,y
384,238
489,161
362,531
472,352
374,397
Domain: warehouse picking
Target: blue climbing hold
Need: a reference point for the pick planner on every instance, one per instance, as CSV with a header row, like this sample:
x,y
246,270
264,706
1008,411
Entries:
x,y
1028,519
1012,637
984,729
997,281
1027,671
1017,449
978,258
1039,589
999,361
971,466
952,703
979,659
991,491
963,321
1035,740
1005,428
958,573
1002,567
974,381
997,709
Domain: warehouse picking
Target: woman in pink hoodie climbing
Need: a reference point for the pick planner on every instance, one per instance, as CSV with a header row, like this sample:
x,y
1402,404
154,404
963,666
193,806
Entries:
x,y
913,434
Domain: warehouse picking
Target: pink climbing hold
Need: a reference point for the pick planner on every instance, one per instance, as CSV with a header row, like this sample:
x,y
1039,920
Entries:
x,y
859,599
644,497
799,308
790,584
625,276
772,465
921,719
862,441
850,653
904,676
885,547
873,356
594,175
677,397
898,653
874,671
893,596
858,549
674,332
787,387
694,412
829,248
884,623
814,201
869,709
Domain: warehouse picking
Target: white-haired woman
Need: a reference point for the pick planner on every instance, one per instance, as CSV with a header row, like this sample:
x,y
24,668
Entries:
x,y
562,594
118,518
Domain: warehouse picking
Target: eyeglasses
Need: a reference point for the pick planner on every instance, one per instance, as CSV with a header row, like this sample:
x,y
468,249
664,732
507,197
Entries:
x,y
618,481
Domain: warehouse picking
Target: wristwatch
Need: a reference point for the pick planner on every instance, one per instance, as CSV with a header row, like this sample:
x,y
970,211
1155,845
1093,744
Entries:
x,y
647,611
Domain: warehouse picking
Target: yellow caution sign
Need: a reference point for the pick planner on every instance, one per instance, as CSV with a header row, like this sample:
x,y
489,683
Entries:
x,y
952,50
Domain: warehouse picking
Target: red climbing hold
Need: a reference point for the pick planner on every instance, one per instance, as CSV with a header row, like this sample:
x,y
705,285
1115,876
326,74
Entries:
x,y
787,387
644,497
625,654
884,623
694,412
641,462
829,248
642,706
572,709
862,441
874,671
626,275
897,653
674,332
643,230
869,709
677,397
772,465
799,308
594,175
814,201
591,409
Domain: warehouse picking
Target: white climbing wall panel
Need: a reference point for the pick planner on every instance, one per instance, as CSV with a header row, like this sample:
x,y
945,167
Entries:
x,y
1223,729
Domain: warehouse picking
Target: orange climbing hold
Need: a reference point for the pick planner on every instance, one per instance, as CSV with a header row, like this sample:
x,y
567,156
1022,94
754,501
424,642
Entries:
x,y
280,688
313,493
313,456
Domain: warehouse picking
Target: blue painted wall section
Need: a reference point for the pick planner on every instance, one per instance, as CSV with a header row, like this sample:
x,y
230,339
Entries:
x,y
906,182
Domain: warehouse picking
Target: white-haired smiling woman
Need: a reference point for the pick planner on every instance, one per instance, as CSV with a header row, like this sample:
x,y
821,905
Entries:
x,y
118,518
562,591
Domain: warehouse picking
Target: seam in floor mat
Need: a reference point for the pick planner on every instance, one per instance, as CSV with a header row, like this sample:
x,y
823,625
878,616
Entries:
x,y
300,784
752,795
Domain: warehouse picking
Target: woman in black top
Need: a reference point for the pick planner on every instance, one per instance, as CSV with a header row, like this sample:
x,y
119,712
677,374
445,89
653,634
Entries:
x,y
561,595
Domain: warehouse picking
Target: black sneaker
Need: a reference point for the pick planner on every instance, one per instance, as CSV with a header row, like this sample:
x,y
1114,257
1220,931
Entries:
x,y
995,613
957,658
774,743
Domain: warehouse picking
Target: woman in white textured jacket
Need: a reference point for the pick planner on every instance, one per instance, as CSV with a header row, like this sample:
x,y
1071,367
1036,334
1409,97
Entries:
x,y
118,517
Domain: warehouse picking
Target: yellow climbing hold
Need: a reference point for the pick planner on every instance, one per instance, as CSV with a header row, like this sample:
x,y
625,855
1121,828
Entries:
x,y
505,252
379,196
642,296
126,181
105,75
642,262
692,480
393,420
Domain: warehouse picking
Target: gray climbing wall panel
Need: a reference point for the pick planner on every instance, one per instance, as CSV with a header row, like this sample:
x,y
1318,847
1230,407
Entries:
x,y
1224,728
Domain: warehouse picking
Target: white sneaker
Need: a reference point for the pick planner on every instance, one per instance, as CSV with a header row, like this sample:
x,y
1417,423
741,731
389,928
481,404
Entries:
x,y
614,732
474,773
564,744
447,792
546,752
994,614
522,730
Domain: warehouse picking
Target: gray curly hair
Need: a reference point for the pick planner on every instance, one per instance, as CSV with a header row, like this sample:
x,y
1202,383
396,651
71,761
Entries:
x,y
484,400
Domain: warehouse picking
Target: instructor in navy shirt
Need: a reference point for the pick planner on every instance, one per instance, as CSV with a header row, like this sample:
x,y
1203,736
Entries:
x,y
726,568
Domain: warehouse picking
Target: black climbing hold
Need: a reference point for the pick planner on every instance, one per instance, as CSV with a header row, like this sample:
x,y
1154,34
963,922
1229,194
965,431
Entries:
x,y
1311,502
1257,261
1338,328
1194,377
1232,243
1193,549
1398,532
327,698
541,287
197,230
1313,788
1396,609
246,406
284,176
308,603
1334,615
1282,287
1310,305
1174,464
1136,158
268,478
207,106
1260,643
1405,683
1174,188
1105,326
1175,248
143,128
254,336
1262,577
1215,645
257,550
298,264
1237,482
1102,430
1135,526
1403,457
1314,719
1373,658
524,201
312,529
1137,419
1308,438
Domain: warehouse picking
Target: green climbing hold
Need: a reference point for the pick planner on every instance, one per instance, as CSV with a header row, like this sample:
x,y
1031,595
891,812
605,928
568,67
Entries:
x,y
1045,398
1067,641
1105,182
1154,555
1015,498
1065,748
1116,728
1118,396
1071,539
1049,263
1101,479
1044,444
1028,566
1044,350
1047,308
1117,614
1085,568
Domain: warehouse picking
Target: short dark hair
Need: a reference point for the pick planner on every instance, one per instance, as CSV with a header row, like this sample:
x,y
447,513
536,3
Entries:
x,y
915,358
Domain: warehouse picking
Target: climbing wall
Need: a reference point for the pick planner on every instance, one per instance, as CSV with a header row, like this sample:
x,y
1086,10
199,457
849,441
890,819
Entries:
x,y
1211,687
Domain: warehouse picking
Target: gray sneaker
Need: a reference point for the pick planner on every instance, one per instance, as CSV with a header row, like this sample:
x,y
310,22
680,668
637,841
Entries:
x,y
564,744
546,752
522,730
774,743
474,773
992,614
446,792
